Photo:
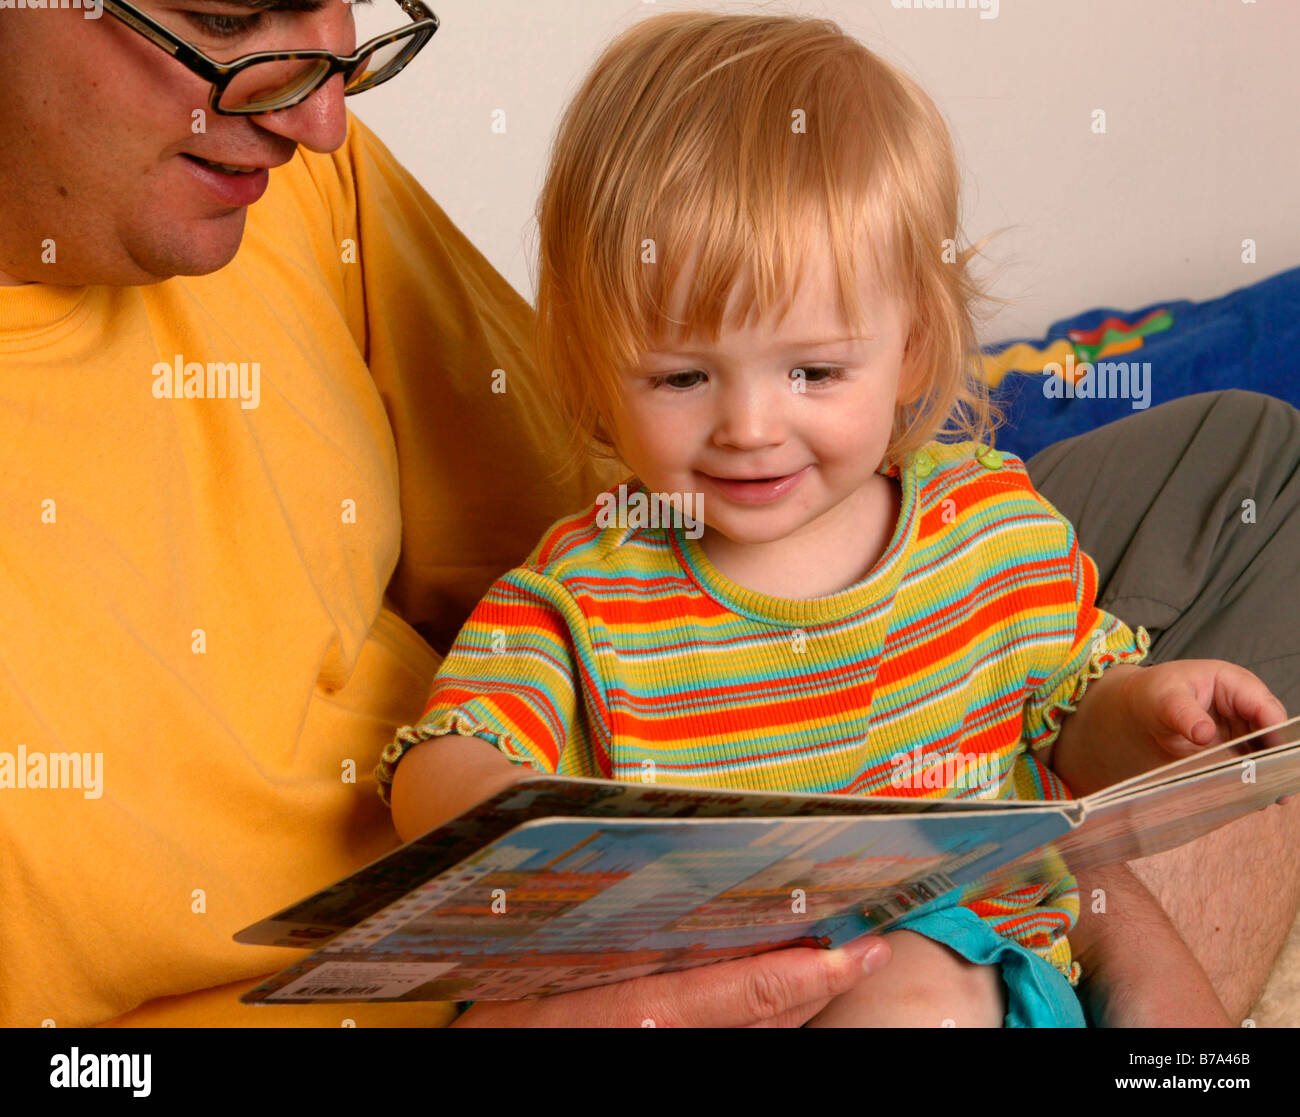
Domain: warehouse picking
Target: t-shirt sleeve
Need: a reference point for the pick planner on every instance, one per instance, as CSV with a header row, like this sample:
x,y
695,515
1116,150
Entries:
x,y
449,344
1088,640
517,676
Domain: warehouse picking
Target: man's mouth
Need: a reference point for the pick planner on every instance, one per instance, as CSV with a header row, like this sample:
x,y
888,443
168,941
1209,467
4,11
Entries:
x,y
233,185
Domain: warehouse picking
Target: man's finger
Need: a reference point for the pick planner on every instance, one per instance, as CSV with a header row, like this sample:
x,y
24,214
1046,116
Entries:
x,y
750,991
795,1018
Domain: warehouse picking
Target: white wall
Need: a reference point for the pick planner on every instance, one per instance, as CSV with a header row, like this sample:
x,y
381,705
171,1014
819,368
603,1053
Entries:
x,y
1202,147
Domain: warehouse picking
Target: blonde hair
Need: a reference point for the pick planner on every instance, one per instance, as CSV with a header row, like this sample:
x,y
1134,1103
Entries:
x,y
681,140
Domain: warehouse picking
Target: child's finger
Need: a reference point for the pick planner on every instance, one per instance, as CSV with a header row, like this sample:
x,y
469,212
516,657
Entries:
x,y
1181,725
1259,710
1244,697
1246,700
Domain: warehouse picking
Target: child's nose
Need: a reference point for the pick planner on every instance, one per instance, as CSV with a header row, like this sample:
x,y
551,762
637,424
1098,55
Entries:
x,y
750,417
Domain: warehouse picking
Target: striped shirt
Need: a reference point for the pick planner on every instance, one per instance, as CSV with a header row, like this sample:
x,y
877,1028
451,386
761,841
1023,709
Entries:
x,y
614,648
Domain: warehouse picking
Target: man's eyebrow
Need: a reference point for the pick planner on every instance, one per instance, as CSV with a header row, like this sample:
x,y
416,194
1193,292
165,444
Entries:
x,y
280,5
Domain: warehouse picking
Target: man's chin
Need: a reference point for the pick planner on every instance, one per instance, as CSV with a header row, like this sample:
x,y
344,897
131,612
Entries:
x,y
198,248
152,256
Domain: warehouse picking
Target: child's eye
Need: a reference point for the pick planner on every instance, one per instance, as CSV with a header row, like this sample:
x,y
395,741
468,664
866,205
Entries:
x,y
679,381
817,374
224,26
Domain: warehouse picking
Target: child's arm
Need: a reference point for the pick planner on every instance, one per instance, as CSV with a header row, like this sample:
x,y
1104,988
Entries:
x,y
1092,750
443,776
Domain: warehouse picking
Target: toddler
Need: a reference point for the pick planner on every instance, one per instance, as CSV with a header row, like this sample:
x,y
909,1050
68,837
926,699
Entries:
x,y
819,576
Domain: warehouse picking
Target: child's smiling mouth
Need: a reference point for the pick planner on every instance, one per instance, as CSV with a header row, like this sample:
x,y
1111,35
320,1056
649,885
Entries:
x,y
756,490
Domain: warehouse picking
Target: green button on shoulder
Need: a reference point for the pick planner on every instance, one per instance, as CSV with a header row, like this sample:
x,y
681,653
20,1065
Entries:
x,y
990,459
922,463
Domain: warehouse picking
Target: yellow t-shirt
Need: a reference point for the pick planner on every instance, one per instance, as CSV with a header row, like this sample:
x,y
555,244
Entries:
x,y
206,595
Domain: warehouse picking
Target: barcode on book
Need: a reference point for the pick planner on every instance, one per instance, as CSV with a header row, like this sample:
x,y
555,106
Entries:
x,y
933,886
360,981
338,990
913,896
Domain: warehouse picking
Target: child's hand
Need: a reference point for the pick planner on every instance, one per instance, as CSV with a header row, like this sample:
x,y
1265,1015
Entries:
x,y
1186,705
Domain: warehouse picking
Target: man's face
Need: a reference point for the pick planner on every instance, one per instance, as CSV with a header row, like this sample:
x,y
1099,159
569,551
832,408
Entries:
x,y
101,150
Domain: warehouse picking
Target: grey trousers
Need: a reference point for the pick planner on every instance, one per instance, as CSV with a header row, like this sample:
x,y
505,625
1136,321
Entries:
x,y
1191,511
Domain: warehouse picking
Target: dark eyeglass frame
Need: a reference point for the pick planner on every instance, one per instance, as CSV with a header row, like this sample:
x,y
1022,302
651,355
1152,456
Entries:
x,y
221,74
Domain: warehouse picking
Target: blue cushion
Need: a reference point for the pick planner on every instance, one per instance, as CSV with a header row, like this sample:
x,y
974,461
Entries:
x,y
1249,338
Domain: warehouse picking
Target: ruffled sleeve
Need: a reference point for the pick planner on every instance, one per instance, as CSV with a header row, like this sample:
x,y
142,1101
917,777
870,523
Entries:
x,y
1095,641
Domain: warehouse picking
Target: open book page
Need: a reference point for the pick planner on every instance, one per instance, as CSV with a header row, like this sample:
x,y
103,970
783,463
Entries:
x,y
1270,740
1165,808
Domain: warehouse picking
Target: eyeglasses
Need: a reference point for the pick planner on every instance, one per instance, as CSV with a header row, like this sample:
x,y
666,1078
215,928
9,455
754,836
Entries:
x,y
273,80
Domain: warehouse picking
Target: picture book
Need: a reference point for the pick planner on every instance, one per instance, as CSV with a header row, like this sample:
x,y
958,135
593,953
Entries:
x,y
556,884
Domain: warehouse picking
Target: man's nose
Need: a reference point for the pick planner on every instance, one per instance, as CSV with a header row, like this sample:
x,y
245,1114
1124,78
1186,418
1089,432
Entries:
x,y
320,123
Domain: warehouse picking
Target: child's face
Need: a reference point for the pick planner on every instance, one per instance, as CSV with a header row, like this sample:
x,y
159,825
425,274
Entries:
x,y
774,452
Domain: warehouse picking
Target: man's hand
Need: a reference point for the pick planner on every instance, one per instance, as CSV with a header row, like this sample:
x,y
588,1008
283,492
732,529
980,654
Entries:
x,y
783,989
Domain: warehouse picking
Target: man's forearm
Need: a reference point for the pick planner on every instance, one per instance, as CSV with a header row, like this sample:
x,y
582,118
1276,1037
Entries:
x,y
1137,970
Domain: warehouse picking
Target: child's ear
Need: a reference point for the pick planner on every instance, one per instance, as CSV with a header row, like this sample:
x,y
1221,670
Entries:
x,y
911,380
600,433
